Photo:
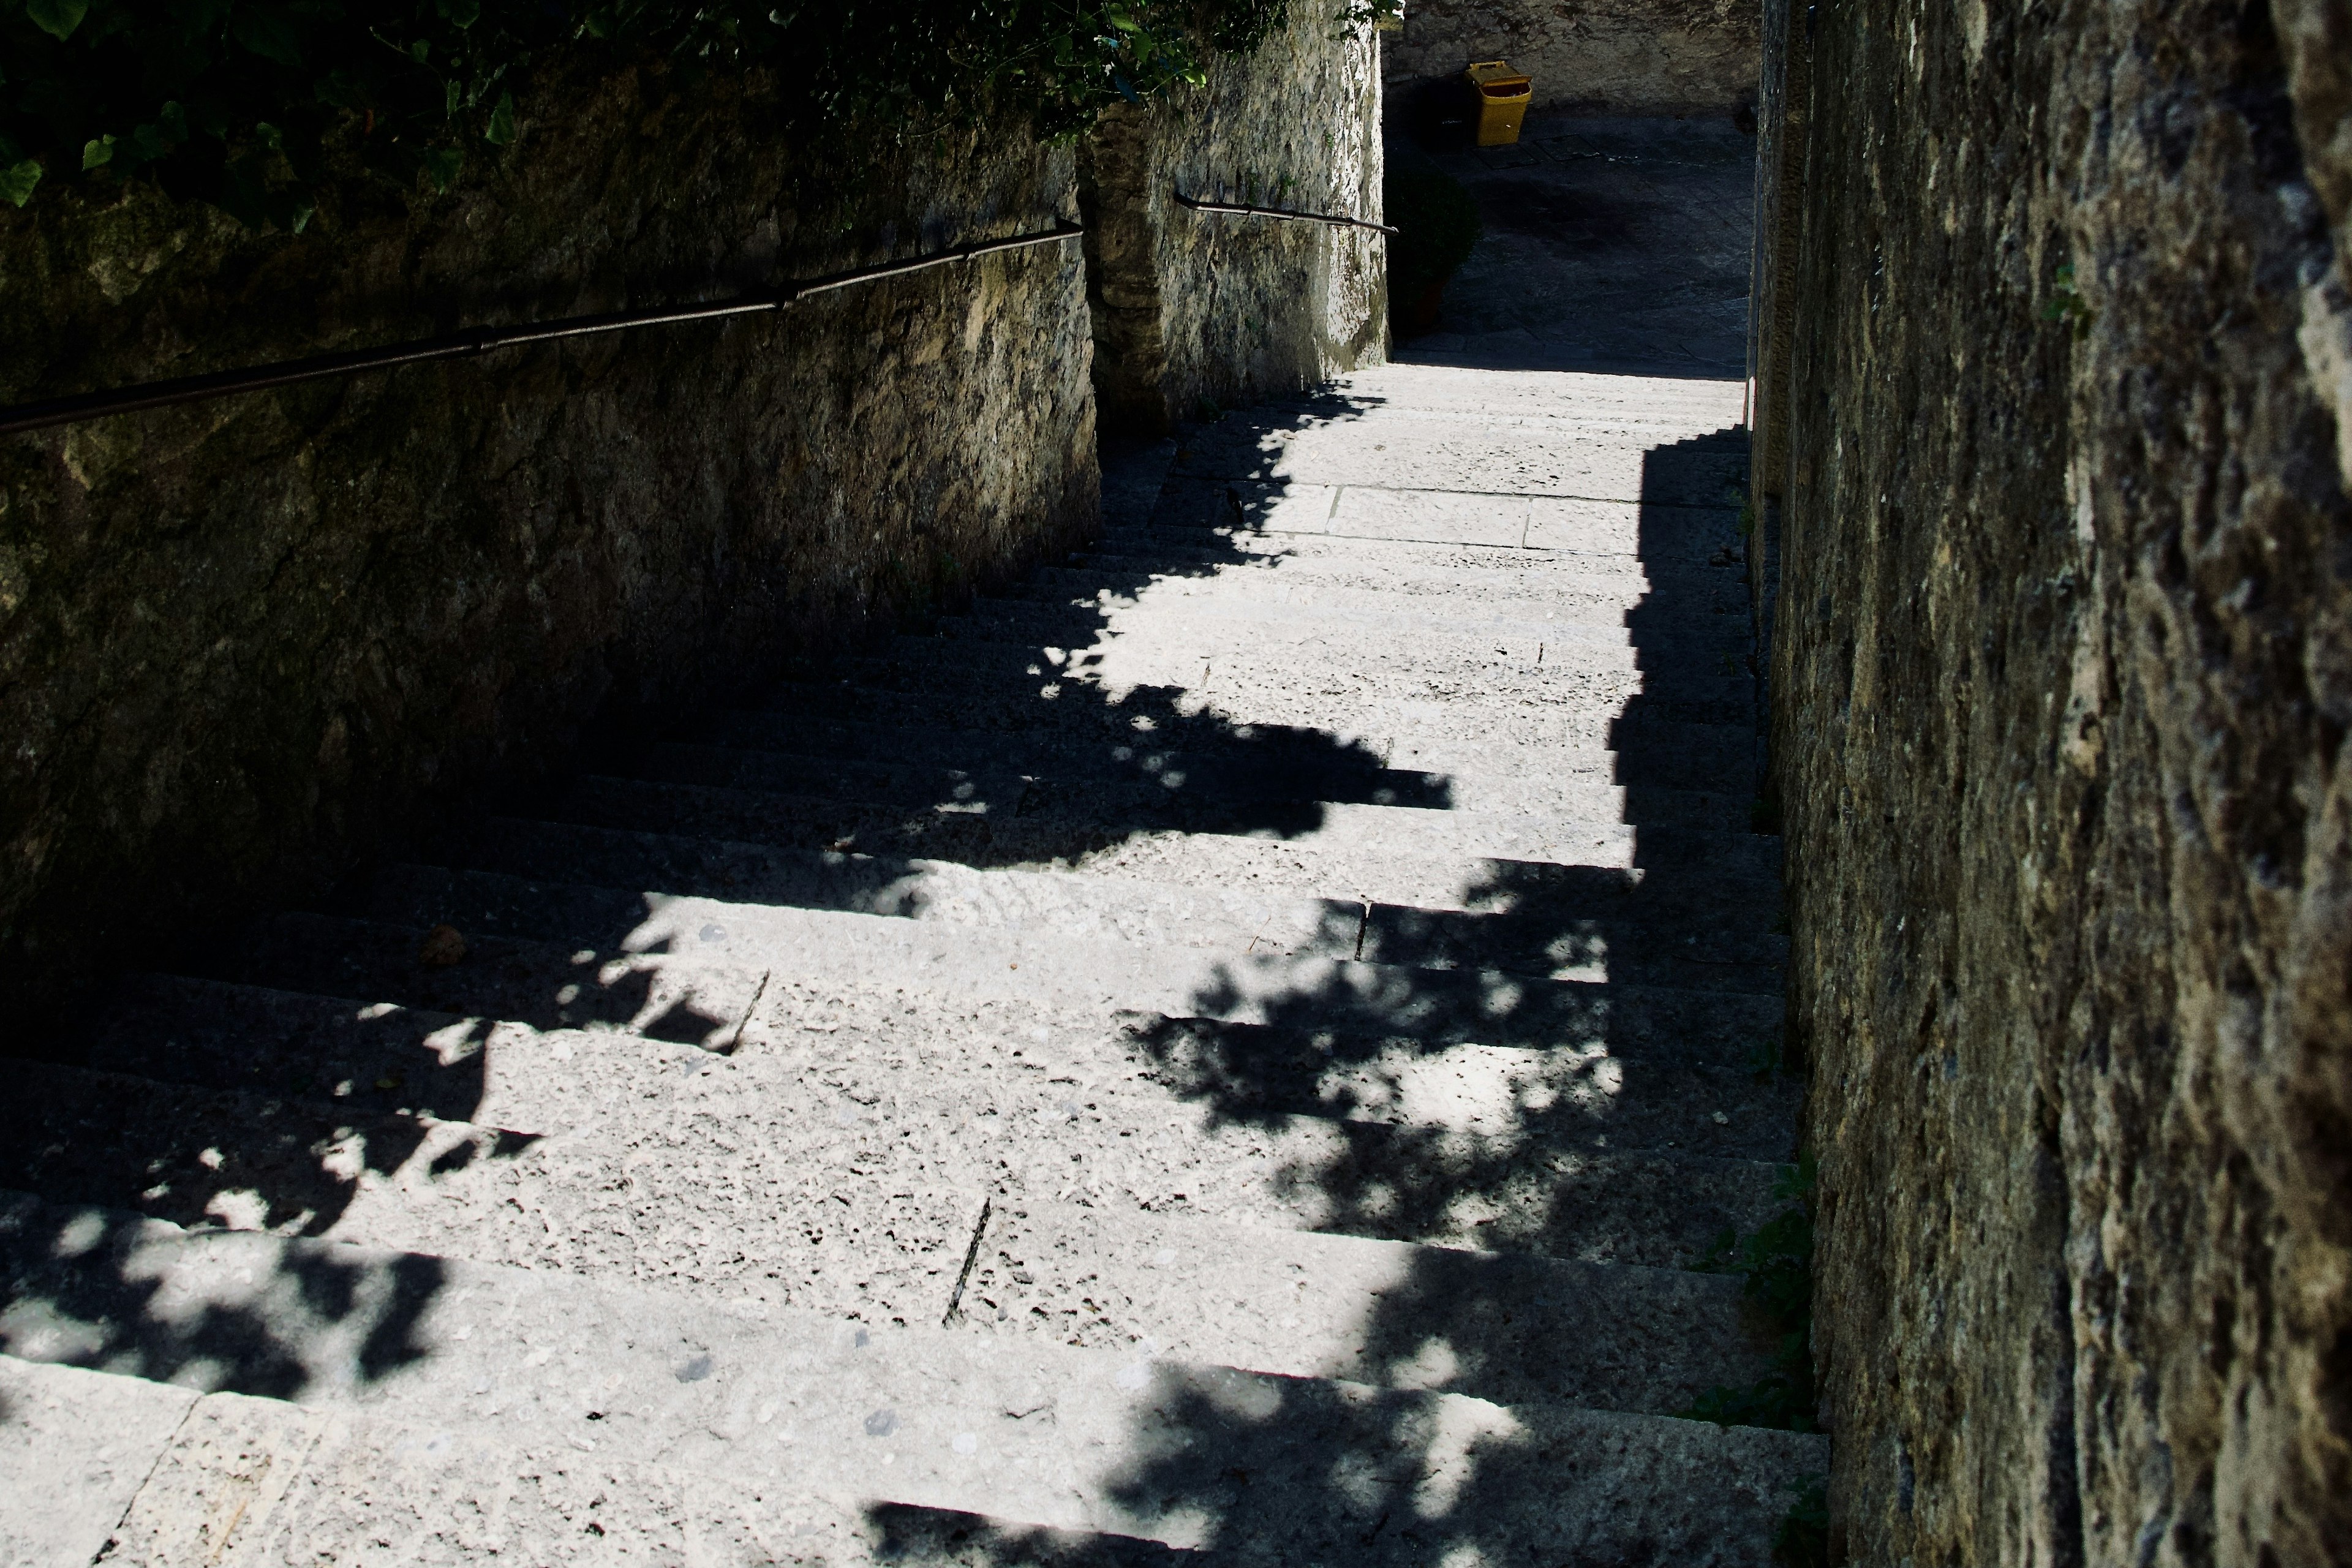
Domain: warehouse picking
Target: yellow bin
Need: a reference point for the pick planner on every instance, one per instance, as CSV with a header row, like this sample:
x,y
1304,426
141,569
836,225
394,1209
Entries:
x,y
1503,98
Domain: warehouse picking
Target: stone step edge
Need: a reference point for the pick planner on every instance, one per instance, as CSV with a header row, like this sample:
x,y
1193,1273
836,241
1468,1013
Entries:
x,y
665,1373
1560,828
187,1458
1203,1255
429,1021
1154,546
1071,965
985,739
1761,890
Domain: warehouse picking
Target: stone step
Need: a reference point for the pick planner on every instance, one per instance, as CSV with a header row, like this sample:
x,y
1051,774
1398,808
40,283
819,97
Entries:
x,y
1697,524
1591,709
718,1197
1284,768
1416,452
695,961
1548,930
949,1419
1484,674
1467,1146
1452,577
1069,607
1692,406
1699,914
1049,819
154,1475
1393,731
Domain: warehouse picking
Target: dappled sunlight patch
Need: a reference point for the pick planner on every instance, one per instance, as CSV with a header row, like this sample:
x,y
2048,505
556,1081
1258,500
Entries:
x,y
1451,1439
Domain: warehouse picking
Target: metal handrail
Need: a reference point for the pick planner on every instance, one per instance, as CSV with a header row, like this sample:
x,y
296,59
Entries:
x,y
1243,209
477,340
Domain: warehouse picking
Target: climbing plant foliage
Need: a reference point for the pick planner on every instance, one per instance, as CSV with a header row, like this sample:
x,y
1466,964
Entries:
x,y
235,102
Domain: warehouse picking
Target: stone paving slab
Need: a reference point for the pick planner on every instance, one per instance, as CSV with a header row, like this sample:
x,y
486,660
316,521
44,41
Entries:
x,y
1408,453
262,1483
1462,574
1214,914
1604,618
816,1218
75,1448
1106,1441
1677,406
1629,748
1696,913
1642,1164
691,967
1482,674
1297,773
1690,530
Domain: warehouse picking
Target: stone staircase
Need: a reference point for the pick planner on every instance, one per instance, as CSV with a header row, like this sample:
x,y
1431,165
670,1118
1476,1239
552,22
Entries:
x,y
1228,1053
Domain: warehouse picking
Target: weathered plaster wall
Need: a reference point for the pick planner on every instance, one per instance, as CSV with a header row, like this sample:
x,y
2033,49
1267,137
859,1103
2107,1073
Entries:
x,y
240,641
2064,677
1192,307
1622,56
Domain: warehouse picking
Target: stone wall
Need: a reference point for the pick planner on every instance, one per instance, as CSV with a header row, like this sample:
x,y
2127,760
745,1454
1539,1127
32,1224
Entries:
x,y
1617,57
242,641
1193,309
2062,673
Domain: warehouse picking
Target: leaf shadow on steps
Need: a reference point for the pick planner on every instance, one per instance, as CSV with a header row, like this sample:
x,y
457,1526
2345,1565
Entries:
x,y
1382,1486
121,1317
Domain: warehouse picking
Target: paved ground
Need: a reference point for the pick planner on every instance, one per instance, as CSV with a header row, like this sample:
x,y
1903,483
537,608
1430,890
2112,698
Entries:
x,y
1226,1053
1608,241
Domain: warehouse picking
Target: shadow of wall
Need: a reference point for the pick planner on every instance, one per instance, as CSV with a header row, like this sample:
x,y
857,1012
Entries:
x,y
243,642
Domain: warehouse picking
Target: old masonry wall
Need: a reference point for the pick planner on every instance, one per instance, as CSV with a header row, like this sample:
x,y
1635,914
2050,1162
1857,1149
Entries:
x,y
1615,57
1192,308
243,641
2054,370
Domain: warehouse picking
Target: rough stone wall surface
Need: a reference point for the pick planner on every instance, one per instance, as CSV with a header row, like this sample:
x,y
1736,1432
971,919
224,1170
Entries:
x,y
241,640
2062,679
1621,57
1192,308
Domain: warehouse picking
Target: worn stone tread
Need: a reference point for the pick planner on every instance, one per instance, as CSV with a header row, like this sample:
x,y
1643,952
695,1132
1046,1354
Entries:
x,y
688,968
1006,819
1681,921
1601,611
1490,676
1445,576
822,1222
1106,1441
1418,450
1598,711
1129,646
247,1482
1249,1122
1294,770
1425,733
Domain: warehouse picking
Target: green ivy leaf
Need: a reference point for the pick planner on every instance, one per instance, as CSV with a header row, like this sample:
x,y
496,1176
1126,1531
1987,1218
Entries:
x,y
17,180
501,128
57,18
441,166
98,153
459,13
267,33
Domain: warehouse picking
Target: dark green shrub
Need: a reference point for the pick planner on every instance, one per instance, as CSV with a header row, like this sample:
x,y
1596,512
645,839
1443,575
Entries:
x,y
234,102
